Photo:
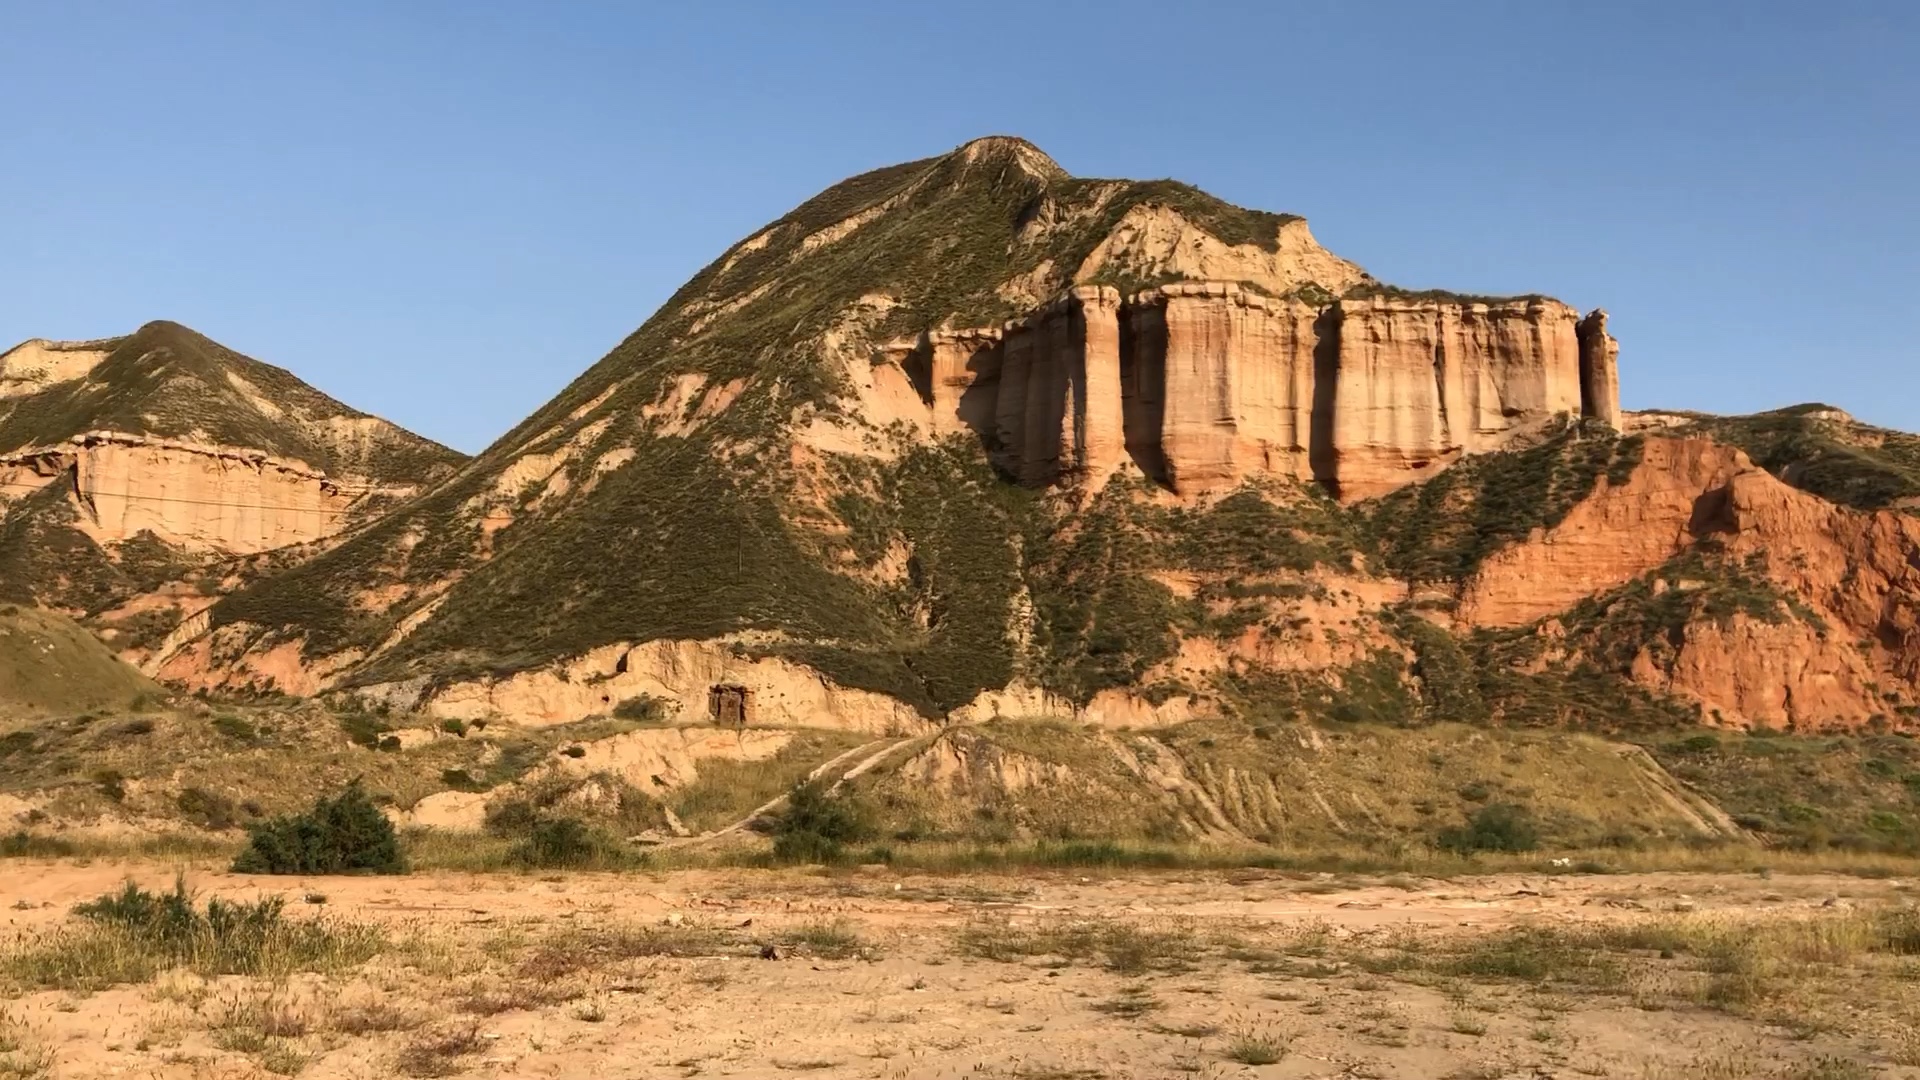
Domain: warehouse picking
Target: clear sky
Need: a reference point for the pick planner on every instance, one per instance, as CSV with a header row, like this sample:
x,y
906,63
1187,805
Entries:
x,y
442,212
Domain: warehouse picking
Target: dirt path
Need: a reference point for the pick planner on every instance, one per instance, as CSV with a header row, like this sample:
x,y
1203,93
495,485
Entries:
x,y
864,756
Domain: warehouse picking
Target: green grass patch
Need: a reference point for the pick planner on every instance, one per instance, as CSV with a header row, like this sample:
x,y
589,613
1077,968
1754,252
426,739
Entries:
x,y
132,935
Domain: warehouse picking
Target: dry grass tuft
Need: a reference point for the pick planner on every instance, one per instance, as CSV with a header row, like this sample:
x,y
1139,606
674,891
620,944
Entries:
x,y
1131,1002
371,1018
515,995
132,937
1257,1046
22,1055
837,940
1121,947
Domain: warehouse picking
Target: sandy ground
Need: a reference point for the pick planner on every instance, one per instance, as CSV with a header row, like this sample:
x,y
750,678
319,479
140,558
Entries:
x,y
513,976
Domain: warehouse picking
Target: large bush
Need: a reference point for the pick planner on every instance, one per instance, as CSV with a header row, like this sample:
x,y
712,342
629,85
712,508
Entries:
x,y
344,834
816,826
1499,827
567,844
644,708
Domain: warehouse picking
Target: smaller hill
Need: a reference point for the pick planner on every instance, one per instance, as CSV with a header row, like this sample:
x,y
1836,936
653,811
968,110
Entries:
x,y
1823,450
166,381
138,465
49,664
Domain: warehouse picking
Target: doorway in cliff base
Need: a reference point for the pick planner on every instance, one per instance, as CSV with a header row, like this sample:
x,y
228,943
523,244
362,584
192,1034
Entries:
x,y
727,704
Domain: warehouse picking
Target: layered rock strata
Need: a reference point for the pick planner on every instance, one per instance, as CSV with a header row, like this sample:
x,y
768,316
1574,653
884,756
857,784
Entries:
x,y
1203,385
195,497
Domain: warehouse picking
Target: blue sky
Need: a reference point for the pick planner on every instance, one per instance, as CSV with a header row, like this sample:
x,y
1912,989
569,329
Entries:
x,y
443,212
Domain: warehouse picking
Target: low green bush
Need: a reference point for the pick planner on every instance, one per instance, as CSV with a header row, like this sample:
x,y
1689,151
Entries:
x,y
234,727
344,834
363,728
24,844
111,784
207,809
643,708
565,844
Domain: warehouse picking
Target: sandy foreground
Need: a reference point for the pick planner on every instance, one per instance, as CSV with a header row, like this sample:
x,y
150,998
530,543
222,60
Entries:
x,y
1045,976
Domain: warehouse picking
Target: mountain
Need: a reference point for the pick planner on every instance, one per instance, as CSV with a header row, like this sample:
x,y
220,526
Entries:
x,y
128,465
969,436
954,452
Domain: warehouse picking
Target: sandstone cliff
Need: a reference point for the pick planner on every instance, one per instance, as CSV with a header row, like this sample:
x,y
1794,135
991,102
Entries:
x,y
195,497
36,364
1205,385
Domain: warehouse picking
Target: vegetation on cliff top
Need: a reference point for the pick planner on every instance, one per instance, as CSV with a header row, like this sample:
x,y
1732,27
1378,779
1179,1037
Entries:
x,y
1816,448
1369,289
169,382
1441,530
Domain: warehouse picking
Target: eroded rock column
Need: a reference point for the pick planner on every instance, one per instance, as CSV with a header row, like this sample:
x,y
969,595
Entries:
x,y
1096,397
1599,370
1197,418
1010,405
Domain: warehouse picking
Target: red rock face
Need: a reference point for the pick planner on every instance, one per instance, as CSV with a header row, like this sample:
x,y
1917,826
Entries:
x,y
1608,539
1856,574
1748,673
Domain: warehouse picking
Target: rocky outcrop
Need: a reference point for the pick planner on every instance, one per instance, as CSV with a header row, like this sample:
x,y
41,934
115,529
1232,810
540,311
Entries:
x,y
34,365
657,760
1611,537
1860,569
1783,675
193,497
1111,709
1155,241
1849,653
1202,385
681,674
